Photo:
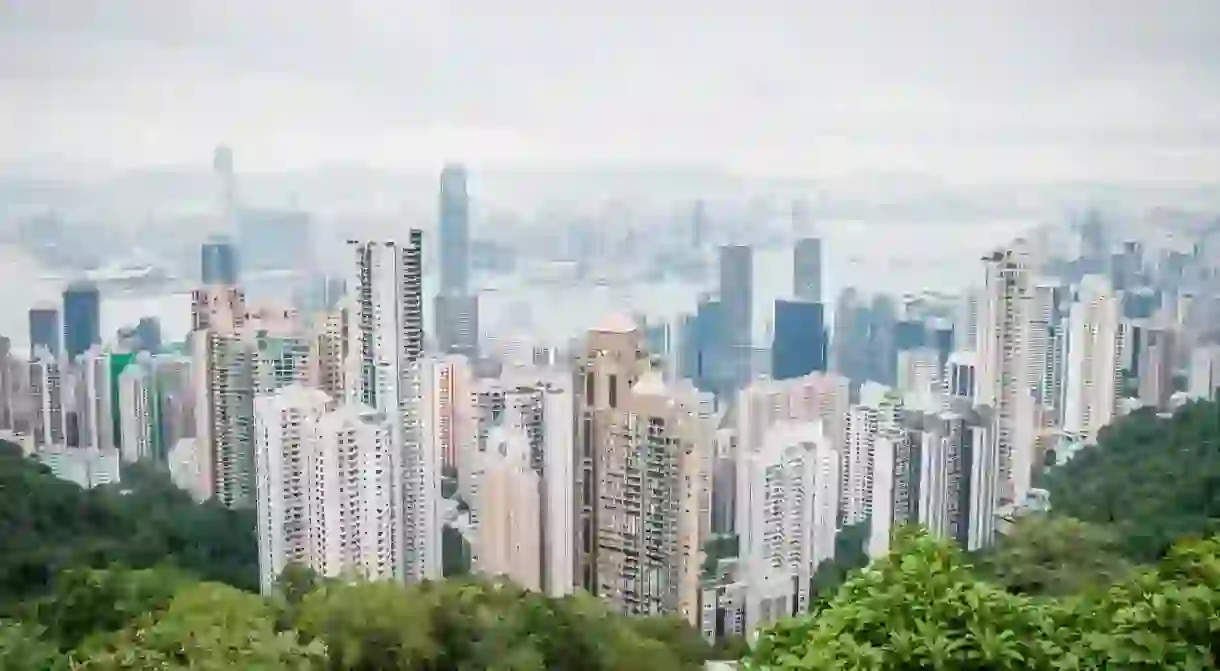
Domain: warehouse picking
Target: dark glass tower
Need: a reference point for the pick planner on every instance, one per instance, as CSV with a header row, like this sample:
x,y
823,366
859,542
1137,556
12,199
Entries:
x,y
44,329
799,343
218,262
82,318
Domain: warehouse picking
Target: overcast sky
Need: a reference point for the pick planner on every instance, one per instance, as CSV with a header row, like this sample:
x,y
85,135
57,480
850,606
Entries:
x,y
1029,89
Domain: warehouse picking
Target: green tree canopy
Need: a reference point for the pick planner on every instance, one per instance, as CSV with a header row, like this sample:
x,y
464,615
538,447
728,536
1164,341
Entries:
x,y
51,525
1051,555
1155,480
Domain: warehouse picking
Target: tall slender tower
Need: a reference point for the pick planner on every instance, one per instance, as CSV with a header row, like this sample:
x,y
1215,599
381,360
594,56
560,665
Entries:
x,y
1093,361
1005,374
454,231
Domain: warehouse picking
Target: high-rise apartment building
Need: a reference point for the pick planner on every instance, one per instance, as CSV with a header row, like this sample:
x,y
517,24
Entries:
x,y
328,493
919,377
1156,366
429,408
46,392
1005,371
643,449
457,324
224,369
139,411
508,539
872,429
82,318
1203,379
95,400
1093,362
329,353
534,424
385,327
788,489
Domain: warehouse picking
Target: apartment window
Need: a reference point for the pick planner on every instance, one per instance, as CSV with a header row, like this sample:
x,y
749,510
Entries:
x,y
589,388
613,391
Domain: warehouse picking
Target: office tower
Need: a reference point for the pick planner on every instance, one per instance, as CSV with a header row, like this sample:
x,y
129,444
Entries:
x,y
737,303
1203,376
807,270
327,489
508,540
329,352
1004,371
632,428
787,518
457,324
1093,363
138,408
872,427
799,343
148,334
850,347
82,318
882,349
919,377
1156,367
454,231
910,333
218,262
386,326
44,329
709,344
46,391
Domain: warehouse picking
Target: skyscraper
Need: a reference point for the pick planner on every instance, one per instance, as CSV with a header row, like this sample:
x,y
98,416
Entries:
x,y
807,270
1093,362
737,301
222,165
799,342
386,324
44,329
454,231
218,262
1005,373
82,318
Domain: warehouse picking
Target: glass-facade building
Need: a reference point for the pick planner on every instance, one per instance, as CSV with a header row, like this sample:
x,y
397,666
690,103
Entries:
x,y
798,346
82,318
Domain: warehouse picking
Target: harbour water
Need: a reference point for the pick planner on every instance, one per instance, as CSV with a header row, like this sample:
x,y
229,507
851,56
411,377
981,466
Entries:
x,y
891,257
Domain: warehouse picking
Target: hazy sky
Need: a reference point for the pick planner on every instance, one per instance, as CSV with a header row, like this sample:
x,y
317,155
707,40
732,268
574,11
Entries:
x,y
1006,88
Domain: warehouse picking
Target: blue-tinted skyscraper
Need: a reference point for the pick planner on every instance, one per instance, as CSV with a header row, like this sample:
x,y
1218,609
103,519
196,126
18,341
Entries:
x,y
709,345
218,262
799,343
454,231
737,302
82,318
44,329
